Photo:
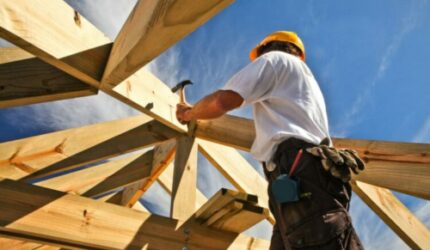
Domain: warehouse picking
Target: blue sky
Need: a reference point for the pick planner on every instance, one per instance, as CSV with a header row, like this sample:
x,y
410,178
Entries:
x,y
370,57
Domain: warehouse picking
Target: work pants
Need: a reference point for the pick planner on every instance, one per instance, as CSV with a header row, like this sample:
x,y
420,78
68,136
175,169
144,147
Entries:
x,y
319,220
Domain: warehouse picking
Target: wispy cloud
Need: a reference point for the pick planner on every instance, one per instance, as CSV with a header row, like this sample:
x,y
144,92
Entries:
x,y
423,135
411,19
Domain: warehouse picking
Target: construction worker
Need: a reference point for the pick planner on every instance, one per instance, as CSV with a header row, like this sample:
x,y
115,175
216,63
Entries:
x,y
309,190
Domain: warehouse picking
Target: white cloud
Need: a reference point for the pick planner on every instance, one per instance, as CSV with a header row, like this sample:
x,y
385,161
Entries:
x,y
409,22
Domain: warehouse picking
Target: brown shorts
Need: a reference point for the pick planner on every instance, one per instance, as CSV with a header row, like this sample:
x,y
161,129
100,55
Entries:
x,y
318,221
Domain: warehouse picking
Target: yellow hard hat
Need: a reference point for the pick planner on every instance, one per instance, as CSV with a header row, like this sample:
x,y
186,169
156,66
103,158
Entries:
x,y
281,36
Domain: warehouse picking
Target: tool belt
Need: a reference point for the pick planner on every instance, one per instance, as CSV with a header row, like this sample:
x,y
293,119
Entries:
x,y
319,216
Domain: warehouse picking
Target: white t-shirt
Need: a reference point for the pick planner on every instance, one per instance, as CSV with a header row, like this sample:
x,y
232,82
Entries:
x,y
286,100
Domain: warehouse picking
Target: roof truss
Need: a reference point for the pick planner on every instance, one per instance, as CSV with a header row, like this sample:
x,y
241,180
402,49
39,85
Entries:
x,y
75,56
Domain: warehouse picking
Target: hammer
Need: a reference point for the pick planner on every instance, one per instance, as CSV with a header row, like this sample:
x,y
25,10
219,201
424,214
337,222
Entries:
x,y
181,87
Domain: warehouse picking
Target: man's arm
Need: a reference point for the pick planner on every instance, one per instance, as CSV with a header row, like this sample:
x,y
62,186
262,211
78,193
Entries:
x,y
210,107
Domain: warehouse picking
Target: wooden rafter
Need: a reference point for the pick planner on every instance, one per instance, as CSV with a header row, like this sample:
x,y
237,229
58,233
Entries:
x,y
394,214
28,80
72,221
75,147
151,28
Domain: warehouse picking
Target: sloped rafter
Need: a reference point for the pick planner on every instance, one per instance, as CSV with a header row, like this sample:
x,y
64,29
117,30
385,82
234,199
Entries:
x,y
151,28
41,155
394,214
25,79
73,221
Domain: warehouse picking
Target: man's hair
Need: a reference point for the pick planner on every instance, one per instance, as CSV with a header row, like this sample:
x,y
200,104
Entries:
x,y
280,46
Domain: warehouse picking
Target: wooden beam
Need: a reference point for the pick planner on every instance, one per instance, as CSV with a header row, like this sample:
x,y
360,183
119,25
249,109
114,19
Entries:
x,y
28,80
231,211
79,49
45,154
6,243
404,167
394,214
233,131
162,157
153,27
102,178
237,170
25,24
166,182
184,179
67,220
408,178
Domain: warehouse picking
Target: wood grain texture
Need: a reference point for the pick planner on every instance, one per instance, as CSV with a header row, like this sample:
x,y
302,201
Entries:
x,y
163,155
41,155
104,177
401,166
237,171
166,182
394,214
82,51
27,24
153,27
184,179
72,221
28,80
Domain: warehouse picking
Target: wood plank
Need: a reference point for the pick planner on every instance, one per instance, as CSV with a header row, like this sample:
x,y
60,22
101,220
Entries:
x,y
79,49
103,178
394,214
27,24
71,221
162,157
184,179
404,167
237,170
45,154
166,182
233,131
10,244
220,199
153,27
28,80
408,178
246,216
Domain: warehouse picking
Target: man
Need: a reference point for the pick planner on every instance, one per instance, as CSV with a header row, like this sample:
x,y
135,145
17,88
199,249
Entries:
x,y
309,193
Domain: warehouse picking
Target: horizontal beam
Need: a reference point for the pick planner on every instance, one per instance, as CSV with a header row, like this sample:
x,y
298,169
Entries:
x,y
394,214
401,166
67,220
28,80
153,27
42,155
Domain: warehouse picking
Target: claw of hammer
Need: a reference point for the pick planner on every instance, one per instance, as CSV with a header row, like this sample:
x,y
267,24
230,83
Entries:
x,y
181,87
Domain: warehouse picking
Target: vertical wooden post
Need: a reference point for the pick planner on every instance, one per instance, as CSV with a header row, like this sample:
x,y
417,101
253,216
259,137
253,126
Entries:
x,y
184,179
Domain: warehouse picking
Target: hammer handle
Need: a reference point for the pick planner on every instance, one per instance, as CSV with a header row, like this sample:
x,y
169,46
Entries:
x,y
182,95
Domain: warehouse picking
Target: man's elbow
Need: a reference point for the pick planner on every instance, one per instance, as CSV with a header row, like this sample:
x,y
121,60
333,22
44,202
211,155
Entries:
x,y
228,100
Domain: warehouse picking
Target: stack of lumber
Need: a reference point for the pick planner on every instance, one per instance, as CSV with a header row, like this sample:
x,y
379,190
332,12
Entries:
x,y
231,211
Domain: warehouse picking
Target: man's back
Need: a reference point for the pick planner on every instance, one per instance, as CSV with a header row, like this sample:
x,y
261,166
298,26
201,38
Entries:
x,y
287,101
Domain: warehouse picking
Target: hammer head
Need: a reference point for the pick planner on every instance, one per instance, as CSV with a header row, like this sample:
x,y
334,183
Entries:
x,y
181,85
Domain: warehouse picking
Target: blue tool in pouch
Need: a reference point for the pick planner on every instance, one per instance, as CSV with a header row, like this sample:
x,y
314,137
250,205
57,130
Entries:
x,y
285,189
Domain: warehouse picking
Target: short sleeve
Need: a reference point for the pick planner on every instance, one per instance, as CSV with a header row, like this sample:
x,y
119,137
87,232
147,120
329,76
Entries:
x,y
254,82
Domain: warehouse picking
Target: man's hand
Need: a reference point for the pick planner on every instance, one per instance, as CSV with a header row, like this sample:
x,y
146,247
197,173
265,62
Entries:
x,y
183,113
